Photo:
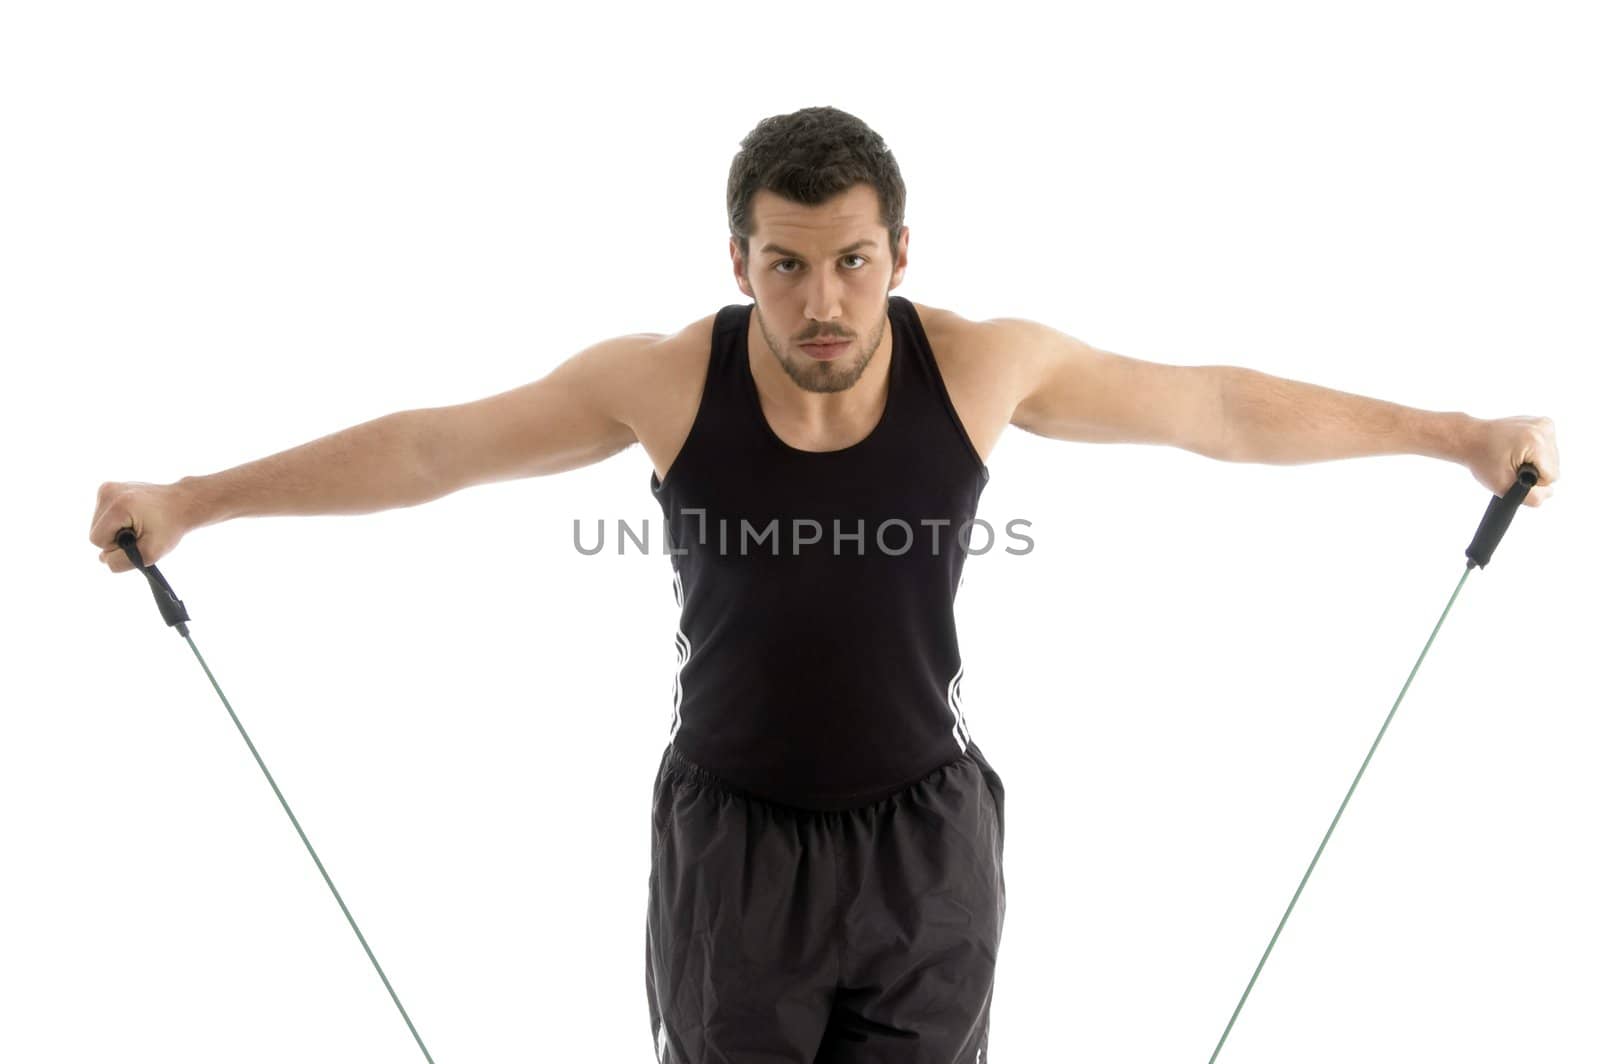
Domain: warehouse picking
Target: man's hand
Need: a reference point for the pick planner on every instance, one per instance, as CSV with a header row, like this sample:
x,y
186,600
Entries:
x,y
157,513
1499,447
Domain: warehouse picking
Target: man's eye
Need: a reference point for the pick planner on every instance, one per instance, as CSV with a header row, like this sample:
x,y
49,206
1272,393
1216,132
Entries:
x,y
782,262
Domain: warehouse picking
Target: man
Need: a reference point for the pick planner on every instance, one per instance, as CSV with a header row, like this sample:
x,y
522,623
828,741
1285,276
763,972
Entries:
x,y
826,871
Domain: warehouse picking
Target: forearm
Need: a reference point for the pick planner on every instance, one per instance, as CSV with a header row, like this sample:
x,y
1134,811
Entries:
x,y
1273,420
376,465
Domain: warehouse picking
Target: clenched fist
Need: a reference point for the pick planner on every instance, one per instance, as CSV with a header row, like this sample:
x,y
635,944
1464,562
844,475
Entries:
x,y
1503,444
155,512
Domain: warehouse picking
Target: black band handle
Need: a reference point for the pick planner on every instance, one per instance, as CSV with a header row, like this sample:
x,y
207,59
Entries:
x,y
1497,518
169,604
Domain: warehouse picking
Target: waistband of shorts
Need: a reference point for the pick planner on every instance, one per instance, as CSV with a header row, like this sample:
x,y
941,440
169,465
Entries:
x,y
680,765
676,763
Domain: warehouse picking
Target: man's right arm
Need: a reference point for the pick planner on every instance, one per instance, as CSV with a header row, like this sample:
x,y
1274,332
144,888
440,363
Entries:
x,y
566,419
573,416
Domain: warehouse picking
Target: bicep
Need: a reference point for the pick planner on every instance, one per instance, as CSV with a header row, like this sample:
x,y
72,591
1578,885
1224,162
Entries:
x,y
1070,390
571,417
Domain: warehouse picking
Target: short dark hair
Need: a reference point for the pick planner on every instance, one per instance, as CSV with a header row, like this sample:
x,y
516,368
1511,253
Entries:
x,y
810,156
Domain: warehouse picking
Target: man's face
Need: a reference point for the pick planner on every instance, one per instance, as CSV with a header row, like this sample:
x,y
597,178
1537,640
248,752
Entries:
x,y
819,273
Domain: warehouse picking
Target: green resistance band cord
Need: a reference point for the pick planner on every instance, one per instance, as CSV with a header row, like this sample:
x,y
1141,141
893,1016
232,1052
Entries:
x,y
1337,815
1490,530
1496,519
174,613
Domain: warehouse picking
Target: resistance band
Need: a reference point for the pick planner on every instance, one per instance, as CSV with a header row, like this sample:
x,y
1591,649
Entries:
x,y
1496,519
173,612
1490,530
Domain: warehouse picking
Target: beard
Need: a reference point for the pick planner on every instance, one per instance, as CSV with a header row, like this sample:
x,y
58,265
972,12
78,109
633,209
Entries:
x,y
833,376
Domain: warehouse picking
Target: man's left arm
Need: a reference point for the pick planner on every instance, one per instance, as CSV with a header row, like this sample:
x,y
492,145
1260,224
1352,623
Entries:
x,y
1069,390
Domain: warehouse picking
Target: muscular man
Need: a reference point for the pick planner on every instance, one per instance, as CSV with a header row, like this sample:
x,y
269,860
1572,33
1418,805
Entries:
x,y
826,879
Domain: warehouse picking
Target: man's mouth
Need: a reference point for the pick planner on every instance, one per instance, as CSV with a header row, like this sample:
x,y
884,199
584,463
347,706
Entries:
x,y
825,349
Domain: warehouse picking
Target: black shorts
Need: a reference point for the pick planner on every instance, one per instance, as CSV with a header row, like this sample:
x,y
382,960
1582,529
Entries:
x,y
777,935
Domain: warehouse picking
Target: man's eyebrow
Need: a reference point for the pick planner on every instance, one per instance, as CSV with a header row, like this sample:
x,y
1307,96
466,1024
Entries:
x,y
774,248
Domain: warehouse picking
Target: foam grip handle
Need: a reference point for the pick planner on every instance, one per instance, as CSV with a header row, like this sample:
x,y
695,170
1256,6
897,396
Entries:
x,y
1497,518
169,604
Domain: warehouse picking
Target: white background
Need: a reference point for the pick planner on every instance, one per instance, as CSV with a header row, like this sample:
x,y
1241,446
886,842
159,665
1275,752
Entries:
x,y
229,230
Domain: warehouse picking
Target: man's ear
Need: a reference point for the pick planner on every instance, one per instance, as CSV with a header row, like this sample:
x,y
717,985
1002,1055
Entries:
x,y
739,273
901,253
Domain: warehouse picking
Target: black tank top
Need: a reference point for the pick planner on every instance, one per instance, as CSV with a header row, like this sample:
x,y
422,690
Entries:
x,y
817,656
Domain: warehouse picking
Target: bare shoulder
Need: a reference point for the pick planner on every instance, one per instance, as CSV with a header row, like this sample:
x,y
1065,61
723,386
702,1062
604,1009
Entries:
x,y
664,389
982,368
643,369
994,349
